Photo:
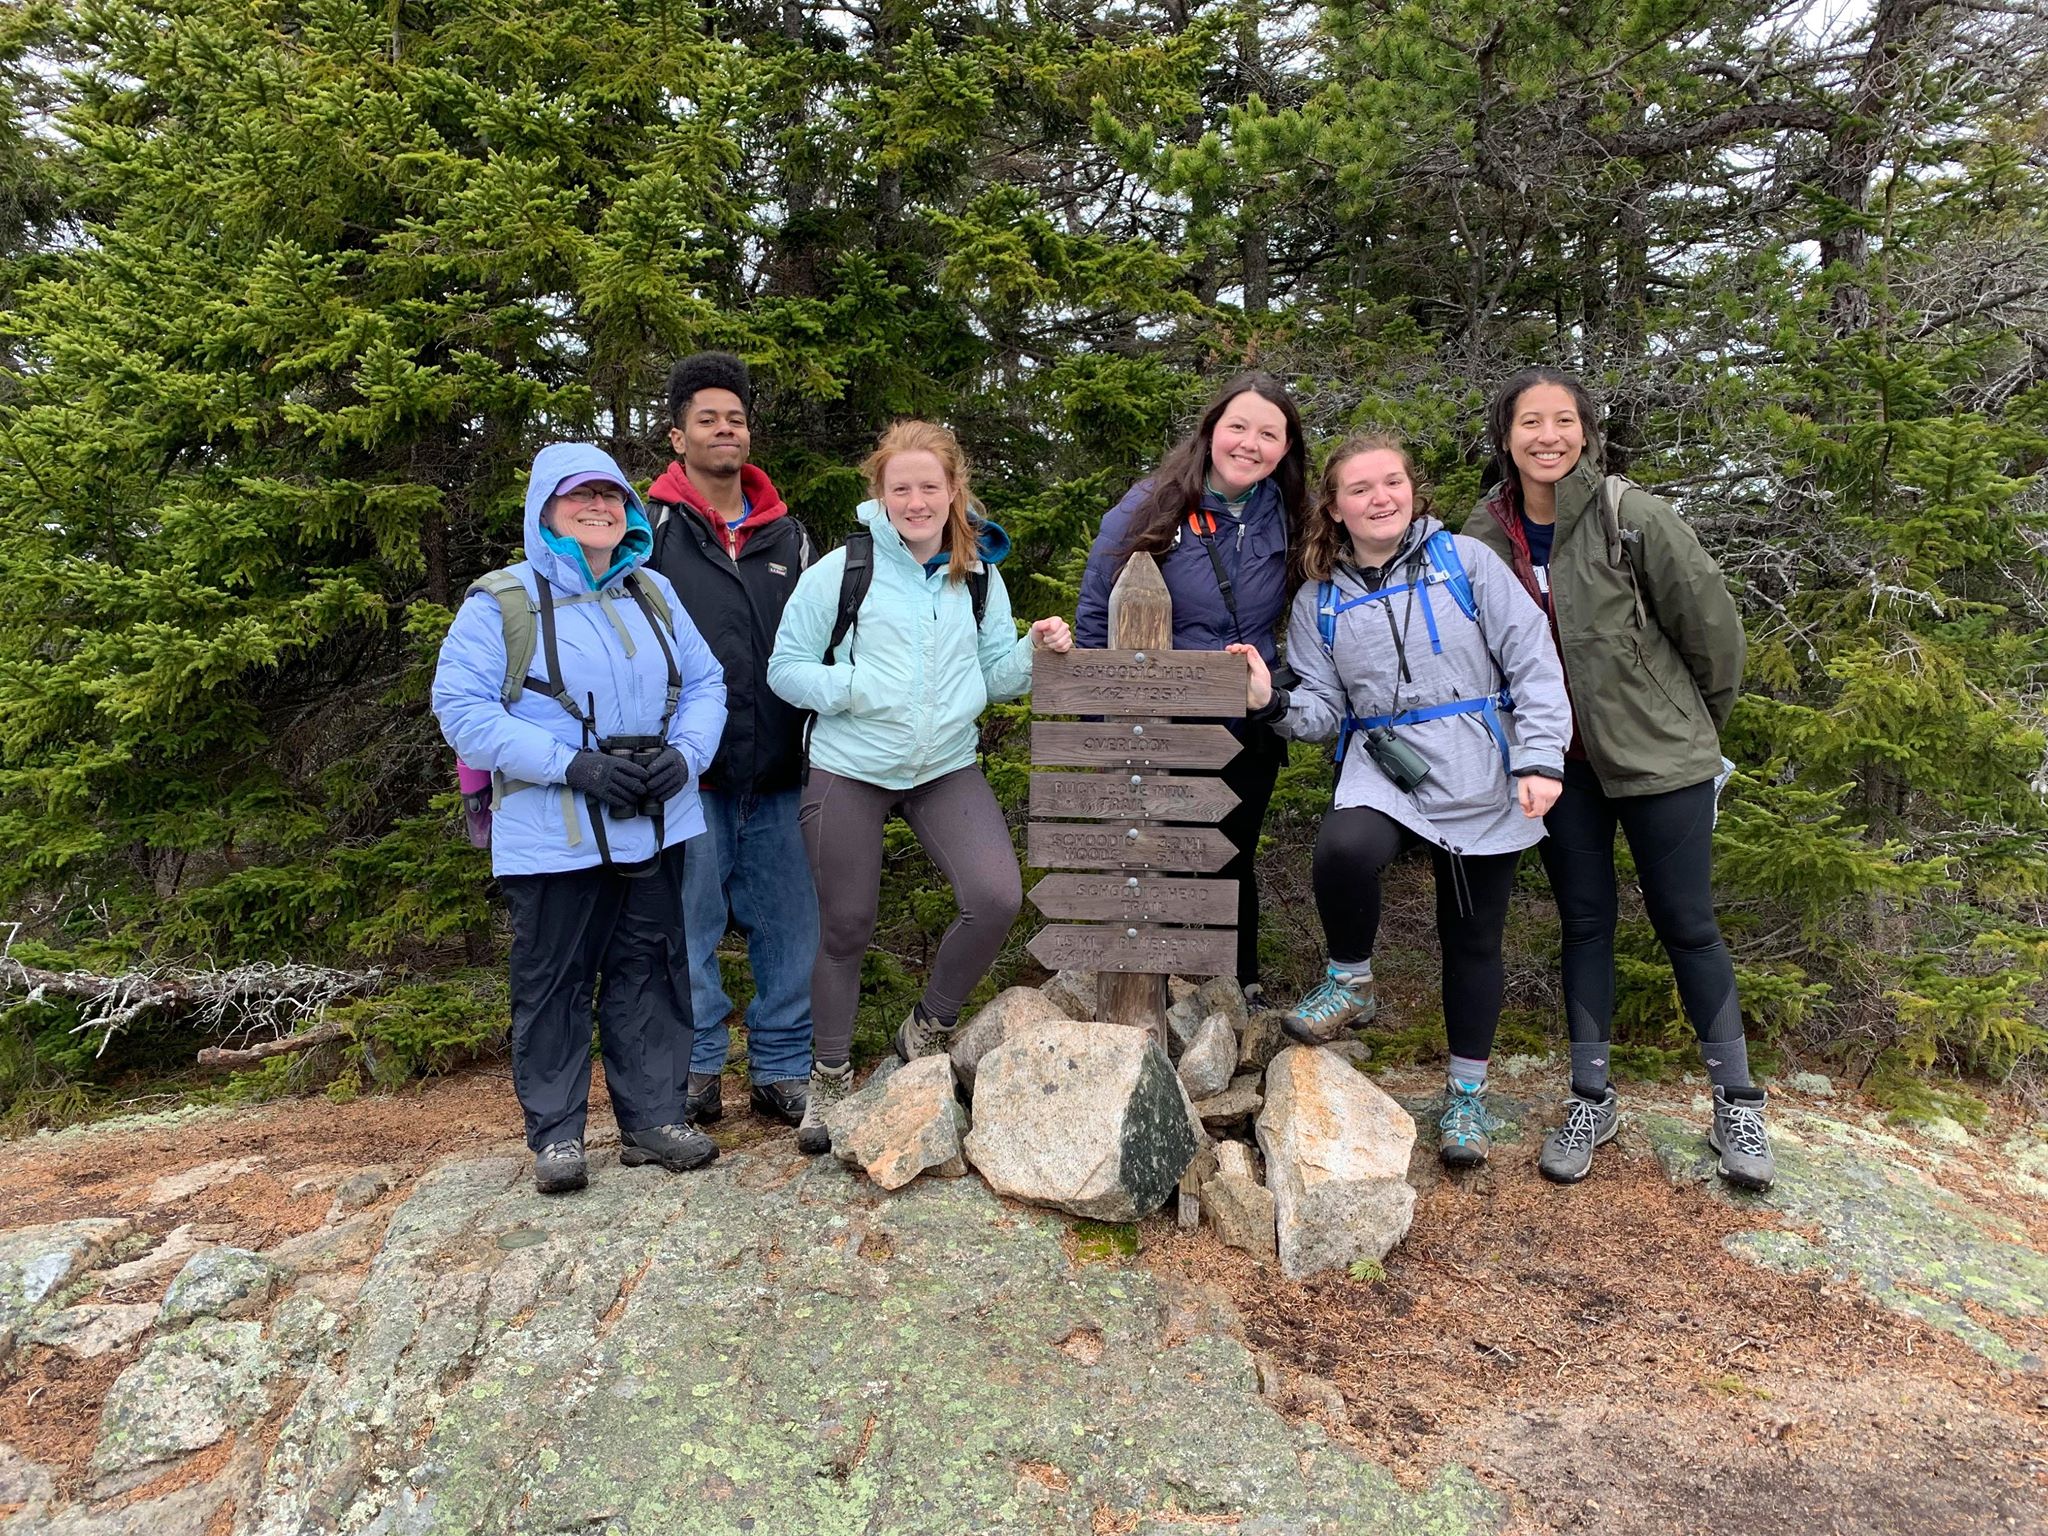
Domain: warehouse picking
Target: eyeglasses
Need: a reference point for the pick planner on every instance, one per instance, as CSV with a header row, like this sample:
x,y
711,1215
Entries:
x,y
589,493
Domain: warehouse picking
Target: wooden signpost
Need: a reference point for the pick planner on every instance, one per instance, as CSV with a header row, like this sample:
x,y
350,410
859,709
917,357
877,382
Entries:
x,y
1134,824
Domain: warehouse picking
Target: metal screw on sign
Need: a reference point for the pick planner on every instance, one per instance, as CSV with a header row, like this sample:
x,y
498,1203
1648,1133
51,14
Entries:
x,y
1137,778
1131,833
1137,730
1138,656
1132,882
1130,933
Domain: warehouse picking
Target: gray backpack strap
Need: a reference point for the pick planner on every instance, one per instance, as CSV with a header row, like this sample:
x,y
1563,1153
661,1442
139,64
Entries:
x,y
516,615
1612,489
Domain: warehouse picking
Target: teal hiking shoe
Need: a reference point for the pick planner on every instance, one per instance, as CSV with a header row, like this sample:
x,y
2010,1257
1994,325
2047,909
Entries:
x,y
1343,1000
1464,1130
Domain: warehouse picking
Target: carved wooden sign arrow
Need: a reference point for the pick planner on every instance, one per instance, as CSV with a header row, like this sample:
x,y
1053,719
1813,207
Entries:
x,y
1137,898
1131,796
1139,683
1075,845
1112,744
1150,951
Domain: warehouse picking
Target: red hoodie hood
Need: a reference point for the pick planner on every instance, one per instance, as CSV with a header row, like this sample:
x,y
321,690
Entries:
x,y
673,486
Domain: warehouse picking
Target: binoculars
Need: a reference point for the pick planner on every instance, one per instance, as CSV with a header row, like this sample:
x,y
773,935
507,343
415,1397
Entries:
x,y
639,749
1396,759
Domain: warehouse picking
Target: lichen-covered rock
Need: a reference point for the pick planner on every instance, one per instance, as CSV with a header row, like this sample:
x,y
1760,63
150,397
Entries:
x,y
1336,1161
1241,1214
187,1182
220,1282
366,1186
329,1248
38,1262
26,1487
1233,1107
1088,1118
1074,993
187,1391
1002,1016
94,1330
169,1256
906,1128
1209,1059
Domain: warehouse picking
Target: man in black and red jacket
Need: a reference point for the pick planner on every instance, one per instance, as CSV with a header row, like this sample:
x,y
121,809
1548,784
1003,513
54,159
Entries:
x,y
733,553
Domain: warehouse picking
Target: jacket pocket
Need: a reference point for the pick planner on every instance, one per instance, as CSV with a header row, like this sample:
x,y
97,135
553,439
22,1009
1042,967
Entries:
x,y
1669,676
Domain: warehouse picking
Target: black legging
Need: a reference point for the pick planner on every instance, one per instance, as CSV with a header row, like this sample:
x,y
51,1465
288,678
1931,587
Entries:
x,y
1672,838
1252,774
1353,847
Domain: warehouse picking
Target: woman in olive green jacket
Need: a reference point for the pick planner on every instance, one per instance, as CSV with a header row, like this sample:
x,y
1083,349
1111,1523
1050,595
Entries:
x,y
1652,648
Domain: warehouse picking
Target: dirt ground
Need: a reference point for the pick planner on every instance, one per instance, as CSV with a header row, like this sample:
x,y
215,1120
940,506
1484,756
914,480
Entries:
x,y
1593,1353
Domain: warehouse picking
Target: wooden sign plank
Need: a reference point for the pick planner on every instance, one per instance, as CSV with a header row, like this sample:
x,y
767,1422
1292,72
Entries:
x,y
1111,745
1136,899
1137,682
1131,949
1116,845
1132,796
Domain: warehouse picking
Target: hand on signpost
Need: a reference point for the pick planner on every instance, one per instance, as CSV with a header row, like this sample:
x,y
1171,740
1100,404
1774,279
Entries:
x,y
1537,794
1052,635
1258,688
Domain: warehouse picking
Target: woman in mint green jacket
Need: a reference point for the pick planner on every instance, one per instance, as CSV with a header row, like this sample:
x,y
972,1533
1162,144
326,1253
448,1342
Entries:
x,y
897,704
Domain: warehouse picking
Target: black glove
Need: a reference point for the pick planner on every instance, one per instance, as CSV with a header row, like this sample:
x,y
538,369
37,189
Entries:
x,y
619,782
667,774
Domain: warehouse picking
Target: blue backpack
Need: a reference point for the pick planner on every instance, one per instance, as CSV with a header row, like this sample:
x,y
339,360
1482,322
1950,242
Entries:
x,y
1440,567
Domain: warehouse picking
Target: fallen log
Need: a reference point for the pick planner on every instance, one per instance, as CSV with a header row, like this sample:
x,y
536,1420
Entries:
x,y
220,1058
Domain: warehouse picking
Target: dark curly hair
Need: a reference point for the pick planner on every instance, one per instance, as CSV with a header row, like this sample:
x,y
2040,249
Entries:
x,y
707,370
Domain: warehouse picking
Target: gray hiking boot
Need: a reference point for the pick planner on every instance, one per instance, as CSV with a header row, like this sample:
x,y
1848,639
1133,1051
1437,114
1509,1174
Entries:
x,y
559,1167
828,1086
1464,1131
678,1148
783,1100
705,1104
923,1035
1342,1001
1738,1134
1568,1151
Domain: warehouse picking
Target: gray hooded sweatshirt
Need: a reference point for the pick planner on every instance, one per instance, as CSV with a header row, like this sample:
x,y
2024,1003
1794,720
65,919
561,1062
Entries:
x,y
1467,805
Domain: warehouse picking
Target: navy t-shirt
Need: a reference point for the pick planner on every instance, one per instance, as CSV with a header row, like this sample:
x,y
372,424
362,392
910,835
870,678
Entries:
x,y
1539,536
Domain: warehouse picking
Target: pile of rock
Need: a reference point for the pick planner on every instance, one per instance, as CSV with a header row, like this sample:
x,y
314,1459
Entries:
x,y
1094,1119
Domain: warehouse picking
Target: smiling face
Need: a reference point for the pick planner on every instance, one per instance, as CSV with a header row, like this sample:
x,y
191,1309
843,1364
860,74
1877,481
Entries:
x,y
594,515
710,435
1247,445
1375,501
917,493
1545,434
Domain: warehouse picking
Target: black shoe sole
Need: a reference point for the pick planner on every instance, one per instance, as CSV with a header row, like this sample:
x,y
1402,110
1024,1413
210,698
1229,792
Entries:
x,y
637,1157
1460,1157
818,1142
561,1185
766,1104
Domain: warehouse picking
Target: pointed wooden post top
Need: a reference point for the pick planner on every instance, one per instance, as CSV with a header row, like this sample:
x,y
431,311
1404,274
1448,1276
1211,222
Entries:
x,y
1140,607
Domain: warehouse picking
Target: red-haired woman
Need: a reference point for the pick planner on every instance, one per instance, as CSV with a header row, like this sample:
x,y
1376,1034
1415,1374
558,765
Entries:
x,y
897,704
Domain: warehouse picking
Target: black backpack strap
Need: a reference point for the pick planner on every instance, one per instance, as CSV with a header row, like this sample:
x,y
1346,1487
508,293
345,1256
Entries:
x,y
636,584
977,590
854,581
1224,586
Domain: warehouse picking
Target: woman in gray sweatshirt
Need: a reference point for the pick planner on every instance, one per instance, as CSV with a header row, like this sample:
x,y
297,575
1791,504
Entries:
x,y
1421,653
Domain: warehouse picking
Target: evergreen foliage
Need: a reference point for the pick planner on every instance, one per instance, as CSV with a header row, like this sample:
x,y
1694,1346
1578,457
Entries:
x,y
295,288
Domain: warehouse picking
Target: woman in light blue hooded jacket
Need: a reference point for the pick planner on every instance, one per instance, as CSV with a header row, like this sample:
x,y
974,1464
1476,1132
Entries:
x,y
897,708
594,754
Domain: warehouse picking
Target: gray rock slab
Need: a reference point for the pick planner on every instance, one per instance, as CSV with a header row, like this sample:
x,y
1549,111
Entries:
x,y
1237,1159
26,1487
1920,1248
1234,1106
1241,1214
187,1512
1003,1015
366,1186
94,1329
908,1127
38,1262
188,1390
1185,1017
154,1267
220,1282
1209,1059
1337,1152
1259,1041
770,1345
329,1248
187,1182
1073,993
1088,1118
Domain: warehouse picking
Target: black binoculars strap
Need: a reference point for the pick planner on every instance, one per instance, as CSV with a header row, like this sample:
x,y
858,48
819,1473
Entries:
x,y
1224,586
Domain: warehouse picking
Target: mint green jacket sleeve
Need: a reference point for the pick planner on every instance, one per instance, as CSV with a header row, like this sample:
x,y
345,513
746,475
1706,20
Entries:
x,y
1005,655
796,670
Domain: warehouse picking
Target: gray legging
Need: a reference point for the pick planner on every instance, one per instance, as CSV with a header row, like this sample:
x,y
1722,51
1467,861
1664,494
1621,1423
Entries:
x,y
961,827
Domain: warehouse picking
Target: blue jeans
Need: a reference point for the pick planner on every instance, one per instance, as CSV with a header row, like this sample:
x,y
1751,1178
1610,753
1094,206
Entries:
x,y
749,864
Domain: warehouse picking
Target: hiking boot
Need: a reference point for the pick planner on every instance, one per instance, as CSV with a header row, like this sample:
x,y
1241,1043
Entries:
x,y
558,1167
828,1085
1465,1128
678,1148
1341,1001
704,1106
1568,1151
922,1035
1738,1135
782,1101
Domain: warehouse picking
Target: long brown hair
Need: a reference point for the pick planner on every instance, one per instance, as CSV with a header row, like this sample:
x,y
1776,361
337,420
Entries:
x,y
1324,541
963,512
1177,483
1500,420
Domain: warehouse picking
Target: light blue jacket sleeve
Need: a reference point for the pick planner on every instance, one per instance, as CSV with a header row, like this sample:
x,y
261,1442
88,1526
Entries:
x,y
468,679
699,720
1315,705
1005,655
795,670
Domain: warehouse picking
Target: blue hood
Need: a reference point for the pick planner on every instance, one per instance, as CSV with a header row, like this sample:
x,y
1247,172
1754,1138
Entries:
x,y
993,542
561,560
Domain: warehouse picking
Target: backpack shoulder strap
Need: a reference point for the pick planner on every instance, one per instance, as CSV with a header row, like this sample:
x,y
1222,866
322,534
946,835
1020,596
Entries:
x,y
855,578
516,616
1612,489
1326,616
1450,570
650,596
977,590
